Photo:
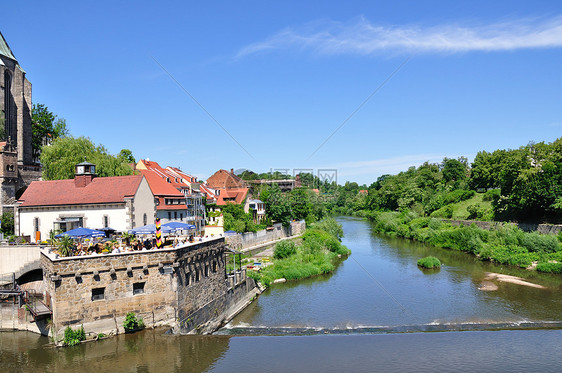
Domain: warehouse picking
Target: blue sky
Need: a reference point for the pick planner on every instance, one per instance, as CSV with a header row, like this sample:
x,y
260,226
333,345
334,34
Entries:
x,y
262,85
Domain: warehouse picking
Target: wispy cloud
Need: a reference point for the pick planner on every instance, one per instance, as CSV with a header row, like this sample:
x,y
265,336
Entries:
x,y
363,37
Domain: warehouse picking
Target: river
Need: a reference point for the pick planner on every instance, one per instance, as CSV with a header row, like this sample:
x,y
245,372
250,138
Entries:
x,y
377,312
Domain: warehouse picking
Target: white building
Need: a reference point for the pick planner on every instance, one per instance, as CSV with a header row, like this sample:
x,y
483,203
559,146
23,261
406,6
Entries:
x,y
119,202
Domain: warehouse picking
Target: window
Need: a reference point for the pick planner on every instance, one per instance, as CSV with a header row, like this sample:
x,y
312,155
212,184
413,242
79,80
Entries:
x,y
106,221
187,278
138,288
144,220
181,216
175,215
169,215
206,270
214,266
196,275
36,224
98,294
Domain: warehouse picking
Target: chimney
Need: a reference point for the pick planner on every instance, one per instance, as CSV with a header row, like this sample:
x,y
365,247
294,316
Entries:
x,y
232,170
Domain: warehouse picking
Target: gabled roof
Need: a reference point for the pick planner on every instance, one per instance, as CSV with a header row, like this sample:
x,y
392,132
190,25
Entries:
x,y
5,48
159,185
225,179
64,192
237,196
162,179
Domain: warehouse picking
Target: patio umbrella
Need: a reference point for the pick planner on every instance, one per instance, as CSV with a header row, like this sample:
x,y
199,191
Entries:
x,y
148,229
81,232
177,226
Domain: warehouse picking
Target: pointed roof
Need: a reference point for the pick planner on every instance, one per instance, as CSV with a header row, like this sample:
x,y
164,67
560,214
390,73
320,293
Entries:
x,y
5,48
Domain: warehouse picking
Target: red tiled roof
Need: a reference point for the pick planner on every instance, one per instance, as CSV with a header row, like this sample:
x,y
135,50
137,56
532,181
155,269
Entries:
x,y
64,192
225,179
161,179
159,185
232,195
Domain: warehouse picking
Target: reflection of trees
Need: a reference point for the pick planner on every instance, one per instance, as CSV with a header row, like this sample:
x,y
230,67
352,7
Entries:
x,y
525,302
149,351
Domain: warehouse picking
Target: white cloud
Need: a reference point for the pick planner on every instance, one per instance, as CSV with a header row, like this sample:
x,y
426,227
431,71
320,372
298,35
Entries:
x,y
363,37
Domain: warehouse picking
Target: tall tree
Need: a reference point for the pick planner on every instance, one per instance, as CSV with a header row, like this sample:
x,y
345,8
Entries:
x,y
58,159
45,127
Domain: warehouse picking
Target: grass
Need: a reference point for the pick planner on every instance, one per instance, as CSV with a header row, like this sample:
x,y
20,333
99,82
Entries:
x,y
317,254
429,262
460,209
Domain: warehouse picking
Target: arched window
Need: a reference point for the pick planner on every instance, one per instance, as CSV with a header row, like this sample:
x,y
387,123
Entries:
x,y
144,219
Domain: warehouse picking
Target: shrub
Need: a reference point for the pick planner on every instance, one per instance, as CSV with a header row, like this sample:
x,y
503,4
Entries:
x,y
331,226
74,337
284,249
550,267
132,322
491,195
536,242
429,262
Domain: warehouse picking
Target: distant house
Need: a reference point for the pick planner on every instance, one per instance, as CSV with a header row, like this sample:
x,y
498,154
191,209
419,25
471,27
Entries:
x,y
221,188
364,192
119,202
257,208
178,193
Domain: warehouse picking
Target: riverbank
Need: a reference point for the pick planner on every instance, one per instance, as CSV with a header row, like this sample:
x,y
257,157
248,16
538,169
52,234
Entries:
x,y
318,253
504,243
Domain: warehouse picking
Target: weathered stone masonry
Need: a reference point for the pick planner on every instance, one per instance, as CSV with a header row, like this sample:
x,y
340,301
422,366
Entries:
x,y
174,287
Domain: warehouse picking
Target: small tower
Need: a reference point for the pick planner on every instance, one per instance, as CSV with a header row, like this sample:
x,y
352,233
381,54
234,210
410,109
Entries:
x,y
84,174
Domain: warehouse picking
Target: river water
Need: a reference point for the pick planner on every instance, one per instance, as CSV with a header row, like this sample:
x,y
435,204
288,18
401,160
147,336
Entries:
x,y
377,312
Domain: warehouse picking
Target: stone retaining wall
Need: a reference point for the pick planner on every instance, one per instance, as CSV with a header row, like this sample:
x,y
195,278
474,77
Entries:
x,y
244,240
541,228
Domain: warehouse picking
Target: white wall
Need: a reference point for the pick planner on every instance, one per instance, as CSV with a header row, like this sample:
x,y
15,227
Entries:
x,y
143,204
92,215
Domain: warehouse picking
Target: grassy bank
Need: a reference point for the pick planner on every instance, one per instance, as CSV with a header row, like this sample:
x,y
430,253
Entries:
x,y
506,244
317,254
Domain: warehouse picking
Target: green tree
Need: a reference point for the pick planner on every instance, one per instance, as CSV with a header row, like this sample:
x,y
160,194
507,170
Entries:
x,y
45,127
453,170
7,226
126,156
58,159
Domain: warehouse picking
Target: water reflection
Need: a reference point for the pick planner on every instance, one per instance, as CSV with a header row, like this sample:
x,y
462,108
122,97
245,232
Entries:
x,y
350,297
146,351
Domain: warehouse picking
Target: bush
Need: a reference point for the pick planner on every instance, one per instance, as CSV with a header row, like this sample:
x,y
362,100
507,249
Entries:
x,y
429,262
284,249
491,195
132,322
543,243
74,337
550,267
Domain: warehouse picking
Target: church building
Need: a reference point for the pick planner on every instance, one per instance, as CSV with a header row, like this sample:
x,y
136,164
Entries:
x,y
17,166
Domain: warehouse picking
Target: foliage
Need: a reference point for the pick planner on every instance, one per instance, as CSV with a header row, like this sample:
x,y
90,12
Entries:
x,y
60,158
331,226
132,322
429,262
74,337
7,225
65,246
235,219
45,127
505,244
284,249
316,255
550,267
